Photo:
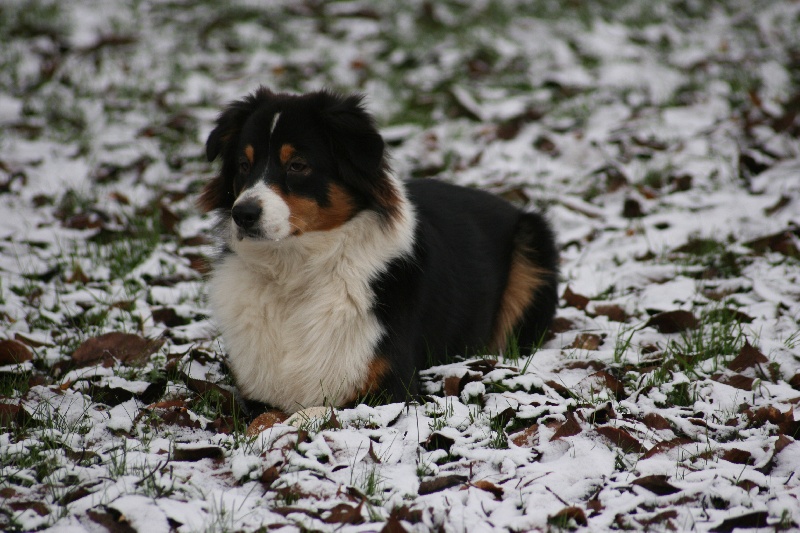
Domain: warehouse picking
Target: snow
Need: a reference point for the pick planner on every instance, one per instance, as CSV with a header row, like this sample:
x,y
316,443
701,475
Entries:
x,y
578,109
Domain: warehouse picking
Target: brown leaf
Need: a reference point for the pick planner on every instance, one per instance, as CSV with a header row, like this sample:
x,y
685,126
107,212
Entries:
x,y
265,421
621,438
453,385
440,483
673,321
9,414
575,300
404,513
737,381
169,317
124,347
180,417
566,514
746,521
561,324
656,421
748,357
437,441
665,446
784,242
656,484
603,414
568,428
489,487
735,455
197,453
270,476
612,383
587,341
112,520
13,352
38,507
559,388
782,442
632,208
393,525
526,438
613,312
665,516
344,513
795,382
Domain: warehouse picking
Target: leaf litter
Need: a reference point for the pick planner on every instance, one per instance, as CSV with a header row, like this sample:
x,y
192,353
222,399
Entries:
x,y
660,139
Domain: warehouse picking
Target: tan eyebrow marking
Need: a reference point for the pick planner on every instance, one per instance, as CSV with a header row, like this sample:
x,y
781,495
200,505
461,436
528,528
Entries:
x,y
287,151
248,152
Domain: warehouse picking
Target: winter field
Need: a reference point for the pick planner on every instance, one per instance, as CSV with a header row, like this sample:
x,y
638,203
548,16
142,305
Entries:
x,y
662,139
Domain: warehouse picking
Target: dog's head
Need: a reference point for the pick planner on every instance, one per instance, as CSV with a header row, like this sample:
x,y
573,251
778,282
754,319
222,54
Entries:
x,y
296,164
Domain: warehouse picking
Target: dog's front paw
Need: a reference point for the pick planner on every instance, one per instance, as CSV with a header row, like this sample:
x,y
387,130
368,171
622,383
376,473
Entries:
x,y
310,417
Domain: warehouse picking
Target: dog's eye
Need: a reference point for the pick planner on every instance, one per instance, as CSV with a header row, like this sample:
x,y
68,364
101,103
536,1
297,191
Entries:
x,y
244,166
297,167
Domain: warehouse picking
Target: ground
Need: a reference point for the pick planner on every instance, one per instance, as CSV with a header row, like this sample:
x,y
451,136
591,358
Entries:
x,y
661,141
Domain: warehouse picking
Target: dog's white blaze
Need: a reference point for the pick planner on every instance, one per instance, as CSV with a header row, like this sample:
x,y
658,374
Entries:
x,y
274,122
296,314
274,221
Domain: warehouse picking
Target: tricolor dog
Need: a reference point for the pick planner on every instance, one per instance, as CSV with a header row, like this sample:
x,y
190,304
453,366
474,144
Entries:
x,y
337,281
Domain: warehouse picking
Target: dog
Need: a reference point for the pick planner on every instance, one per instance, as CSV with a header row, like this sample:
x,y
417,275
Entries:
x,y
338,282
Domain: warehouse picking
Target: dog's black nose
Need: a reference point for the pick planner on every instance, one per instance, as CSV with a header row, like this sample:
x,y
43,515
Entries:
x,y
246,214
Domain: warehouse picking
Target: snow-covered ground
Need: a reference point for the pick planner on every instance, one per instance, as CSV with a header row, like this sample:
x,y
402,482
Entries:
x,y
661,139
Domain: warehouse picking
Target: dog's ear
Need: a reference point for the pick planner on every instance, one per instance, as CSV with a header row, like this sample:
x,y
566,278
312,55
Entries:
x,y
231,120
218,193
358,149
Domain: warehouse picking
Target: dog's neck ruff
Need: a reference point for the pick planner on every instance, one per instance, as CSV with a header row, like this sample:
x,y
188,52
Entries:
x,y
296,315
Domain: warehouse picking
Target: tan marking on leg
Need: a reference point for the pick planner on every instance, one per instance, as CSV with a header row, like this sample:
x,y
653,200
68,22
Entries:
x,y
524,278
249,153
287,151
378,368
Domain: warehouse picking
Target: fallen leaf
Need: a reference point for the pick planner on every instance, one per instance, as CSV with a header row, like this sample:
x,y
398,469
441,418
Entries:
x,y
440,483
568,428
265,421
37,507
665,446
735,455
489,487
196,453
656,421
526,438
575,300
437,441
613,312
566,514
344,513
748,357
665,516
737,381
113,521
270,476
631,208
13,352
673,321
587,341
657,484
124,347
621,438
745,521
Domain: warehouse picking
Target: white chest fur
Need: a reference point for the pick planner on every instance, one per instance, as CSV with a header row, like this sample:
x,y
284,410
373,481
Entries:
x,y
296,316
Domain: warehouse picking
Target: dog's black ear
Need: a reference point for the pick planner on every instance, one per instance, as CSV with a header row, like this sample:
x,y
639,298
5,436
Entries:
x,y
359,149
231,120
